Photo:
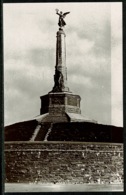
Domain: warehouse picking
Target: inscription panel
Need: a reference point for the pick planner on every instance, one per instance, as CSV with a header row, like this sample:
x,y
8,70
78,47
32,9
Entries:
x,y
72,101
73,110
57,100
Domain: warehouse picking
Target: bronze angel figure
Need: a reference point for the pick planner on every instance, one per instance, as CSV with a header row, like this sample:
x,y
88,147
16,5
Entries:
x,y
62,15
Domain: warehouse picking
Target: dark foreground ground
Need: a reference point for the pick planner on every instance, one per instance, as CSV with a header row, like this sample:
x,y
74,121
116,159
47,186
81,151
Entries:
x,y
39,187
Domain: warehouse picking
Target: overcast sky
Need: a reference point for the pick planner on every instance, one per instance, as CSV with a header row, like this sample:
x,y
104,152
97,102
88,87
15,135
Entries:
x,y
94,58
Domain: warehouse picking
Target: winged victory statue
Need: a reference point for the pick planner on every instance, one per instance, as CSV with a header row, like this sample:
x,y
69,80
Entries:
x,y
62,15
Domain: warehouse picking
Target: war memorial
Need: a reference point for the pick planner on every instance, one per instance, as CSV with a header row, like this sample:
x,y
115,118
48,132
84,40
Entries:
x,y
61,145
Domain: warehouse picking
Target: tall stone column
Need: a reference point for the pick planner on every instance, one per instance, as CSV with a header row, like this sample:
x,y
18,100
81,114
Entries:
x,y
60,77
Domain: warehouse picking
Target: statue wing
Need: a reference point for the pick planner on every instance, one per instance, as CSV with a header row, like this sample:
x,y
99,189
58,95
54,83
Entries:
x,y
64,15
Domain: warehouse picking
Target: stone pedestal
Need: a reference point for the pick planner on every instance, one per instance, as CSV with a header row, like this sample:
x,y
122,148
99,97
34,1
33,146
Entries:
x,y
59,106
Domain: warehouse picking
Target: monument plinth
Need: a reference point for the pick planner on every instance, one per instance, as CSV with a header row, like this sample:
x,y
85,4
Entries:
x,y
59,106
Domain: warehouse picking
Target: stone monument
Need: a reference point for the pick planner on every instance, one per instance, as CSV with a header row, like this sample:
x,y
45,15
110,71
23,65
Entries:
x,y
60,104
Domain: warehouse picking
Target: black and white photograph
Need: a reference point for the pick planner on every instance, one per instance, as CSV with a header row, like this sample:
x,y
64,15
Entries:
x,y
63,97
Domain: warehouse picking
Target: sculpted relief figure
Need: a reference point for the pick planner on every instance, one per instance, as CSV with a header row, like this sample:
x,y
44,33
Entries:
x,y
59,81
62,15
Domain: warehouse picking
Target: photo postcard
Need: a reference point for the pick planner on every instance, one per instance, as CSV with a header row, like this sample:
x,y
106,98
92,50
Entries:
x,y
63,97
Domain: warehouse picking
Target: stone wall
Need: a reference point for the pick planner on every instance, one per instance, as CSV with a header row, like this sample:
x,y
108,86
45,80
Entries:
x,y
64,162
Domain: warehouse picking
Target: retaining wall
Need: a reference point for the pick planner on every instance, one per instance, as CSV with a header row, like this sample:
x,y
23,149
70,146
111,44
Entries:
x,y
64,162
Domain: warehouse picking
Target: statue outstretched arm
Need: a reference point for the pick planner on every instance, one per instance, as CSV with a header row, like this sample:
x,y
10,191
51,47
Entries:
x,y
58,13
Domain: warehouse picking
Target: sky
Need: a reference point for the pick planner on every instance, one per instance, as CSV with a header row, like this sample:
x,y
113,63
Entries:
x,y
93,58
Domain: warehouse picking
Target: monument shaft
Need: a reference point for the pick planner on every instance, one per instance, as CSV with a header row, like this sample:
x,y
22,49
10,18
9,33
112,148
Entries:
x,y
60,49
60,77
